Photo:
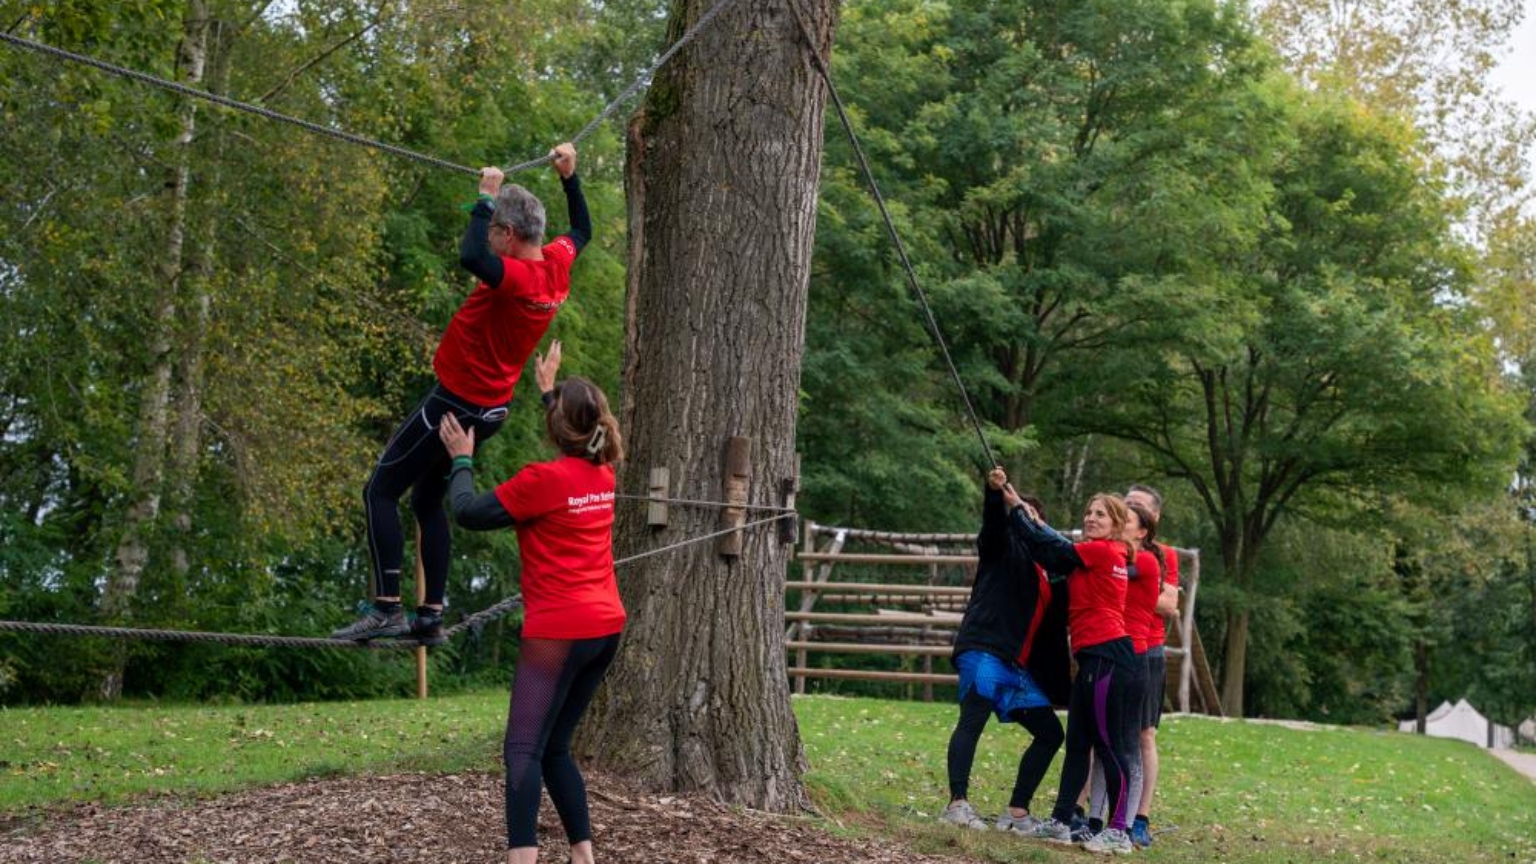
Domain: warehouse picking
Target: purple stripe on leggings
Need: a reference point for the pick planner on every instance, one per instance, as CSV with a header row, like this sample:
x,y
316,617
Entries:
x,y
1101,717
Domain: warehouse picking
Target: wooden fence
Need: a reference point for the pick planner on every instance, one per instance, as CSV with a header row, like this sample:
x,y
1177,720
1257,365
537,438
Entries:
x,y
918,619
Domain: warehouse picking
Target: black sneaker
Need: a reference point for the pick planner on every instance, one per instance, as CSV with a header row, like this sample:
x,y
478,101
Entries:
x,y
373,625
427,626
1081,830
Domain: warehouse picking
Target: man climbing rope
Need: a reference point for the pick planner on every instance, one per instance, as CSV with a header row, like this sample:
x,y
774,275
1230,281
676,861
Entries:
x,y
478,362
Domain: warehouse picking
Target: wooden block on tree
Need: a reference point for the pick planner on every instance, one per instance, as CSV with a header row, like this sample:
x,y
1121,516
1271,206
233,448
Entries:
x,y
738,474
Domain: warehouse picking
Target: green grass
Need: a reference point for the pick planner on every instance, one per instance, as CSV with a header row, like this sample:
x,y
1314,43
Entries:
x,y
109,755
1235,792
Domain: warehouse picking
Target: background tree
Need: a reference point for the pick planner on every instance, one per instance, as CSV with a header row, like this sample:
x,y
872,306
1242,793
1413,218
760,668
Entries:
x,y
1430,62
1331,369
1049,163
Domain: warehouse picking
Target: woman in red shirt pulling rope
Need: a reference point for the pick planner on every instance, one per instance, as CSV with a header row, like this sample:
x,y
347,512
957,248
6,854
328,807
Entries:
x,y
1099,713
562,511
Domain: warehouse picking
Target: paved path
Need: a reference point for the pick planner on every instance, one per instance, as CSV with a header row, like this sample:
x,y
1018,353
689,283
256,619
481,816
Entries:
x,y
1525,763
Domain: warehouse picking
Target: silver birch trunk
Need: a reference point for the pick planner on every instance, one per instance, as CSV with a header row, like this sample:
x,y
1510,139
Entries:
x,y
152,428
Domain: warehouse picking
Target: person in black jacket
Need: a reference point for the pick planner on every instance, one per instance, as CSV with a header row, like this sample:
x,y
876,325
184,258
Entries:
x,y
1011,653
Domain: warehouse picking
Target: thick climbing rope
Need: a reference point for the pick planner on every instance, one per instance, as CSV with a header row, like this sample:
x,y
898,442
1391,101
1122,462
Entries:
x,y
225,101
351,138
890,227
469,622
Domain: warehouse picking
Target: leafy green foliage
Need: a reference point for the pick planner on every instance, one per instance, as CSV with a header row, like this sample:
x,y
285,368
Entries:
x,y
327,271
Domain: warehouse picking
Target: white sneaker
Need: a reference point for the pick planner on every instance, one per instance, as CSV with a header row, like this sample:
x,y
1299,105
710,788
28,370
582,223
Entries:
x,y
1053,831
1025,824
1110,841
963,814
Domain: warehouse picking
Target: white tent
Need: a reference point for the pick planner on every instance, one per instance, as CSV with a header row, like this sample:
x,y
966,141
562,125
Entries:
x,y
1461,721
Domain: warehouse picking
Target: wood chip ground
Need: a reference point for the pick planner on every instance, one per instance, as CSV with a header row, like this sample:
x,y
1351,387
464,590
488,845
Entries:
x,y
416,819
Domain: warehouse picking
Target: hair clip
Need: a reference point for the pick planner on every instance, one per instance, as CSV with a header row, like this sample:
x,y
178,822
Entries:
x,y
598,441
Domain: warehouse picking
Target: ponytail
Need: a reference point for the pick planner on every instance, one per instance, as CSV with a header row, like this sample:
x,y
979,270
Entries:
x,y
1149,522
580,424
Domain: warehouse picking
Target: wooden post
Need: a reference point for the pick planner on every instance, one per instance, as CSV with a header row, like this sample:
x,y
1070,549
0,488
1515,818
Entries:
x,y
787,489
738,475
656,511
933,578
801,630
1187,626
421,598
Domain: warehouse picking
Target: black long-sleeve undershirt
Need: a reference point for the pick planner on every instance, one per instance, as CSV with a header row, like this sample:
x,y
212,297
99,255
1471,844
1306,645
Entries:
x,y
1055,553
475,249
477,512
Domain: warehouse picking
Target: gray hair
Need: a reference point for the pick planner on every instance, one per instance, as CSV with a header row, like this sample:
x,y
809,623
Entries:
x,y
521,211
1156,496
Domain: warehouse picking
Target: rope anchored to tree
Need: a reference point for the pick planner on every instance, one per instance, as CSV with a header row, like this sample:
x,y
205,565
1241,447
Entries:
x,y
474,622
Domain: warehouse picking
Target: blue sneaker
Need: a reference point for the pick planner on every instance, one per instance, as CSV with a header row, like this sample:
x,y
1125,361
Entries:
x,y
1141,834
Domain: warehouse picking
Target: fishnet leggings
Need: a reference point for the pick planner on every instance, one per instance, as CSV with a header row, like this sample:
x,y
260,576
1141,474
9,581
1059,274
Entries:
x,y
554,683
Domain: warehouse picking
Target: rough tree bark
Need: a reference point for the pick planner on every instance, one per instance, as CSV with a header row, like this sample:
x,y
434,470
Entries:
x,y
153,426
722,178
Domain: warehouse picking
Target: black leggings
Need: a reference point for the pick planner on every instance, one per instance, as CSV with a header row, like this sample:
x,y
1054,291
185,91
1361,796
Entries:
x,y
554,683
415,459
1039,722
1103,718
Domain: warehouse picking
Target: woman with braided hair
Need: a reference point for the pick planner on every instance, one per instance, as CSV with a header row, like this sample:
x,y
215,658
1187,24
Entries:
x,y
562,511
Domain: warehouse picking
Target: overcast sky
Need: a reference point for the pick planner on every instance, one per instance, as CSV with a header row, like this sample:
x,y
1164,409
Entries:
x,y
1516,76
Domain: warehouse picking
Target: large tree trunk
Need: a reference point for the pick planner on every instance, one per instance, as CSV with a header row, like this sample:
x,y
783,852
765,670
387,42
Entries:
x,y
722,180
154,402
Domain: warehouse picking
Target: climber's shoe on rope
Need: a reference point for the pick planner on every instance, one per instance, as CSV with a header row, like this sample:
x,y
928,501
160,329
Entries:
x,y
375,623
427,626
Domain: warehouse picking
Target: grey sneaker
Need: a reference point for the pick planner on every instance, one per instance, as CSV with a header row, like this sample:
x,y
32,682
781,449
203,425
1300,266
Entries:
x,y
1055,832
1110,841
1025,824
963,814
374,625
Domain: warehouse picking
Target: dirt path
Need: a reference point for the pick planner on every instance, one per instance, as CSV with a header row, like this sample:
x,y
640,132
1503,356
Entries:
x,y
407,819
1525,763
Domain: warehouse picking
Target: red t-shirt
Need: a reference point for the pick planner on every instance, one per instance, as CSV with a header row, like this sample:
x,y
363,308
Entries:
x,y
1096,594
1158,635
1141,593
1042,603
491,336
564,517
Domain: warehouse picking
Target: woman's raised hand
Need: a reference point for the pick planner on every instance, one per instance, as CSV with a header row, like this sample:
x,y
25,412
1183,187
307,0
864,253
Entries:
x,y
546,367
